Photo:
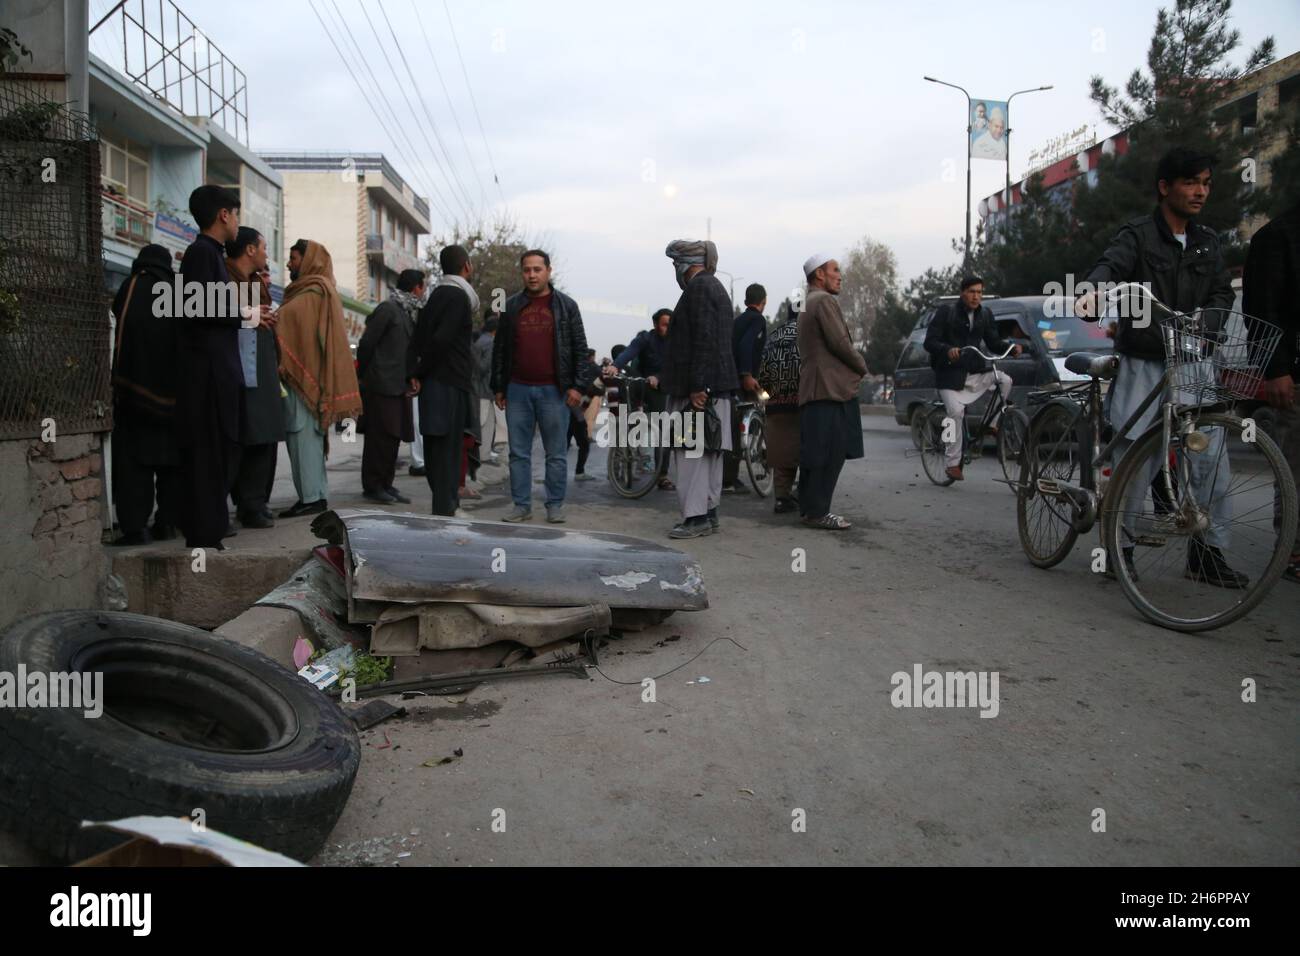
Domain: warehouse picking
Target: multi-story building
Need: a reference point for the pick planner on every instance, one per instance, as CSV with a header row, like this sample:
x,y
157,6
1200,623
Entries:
x,y
360,209
1248,102
154,147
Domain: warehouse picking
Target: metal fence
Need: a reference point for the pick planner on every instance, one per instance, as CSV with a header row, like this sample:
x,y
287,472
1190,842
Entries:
x,y
54,319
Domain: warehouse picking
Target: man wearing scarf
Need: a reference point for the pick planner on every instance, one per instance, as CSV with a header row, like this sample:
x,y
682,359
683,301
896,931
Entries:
x,y
830,371
440,368
144,403
385,394
699,370
316,368
261,414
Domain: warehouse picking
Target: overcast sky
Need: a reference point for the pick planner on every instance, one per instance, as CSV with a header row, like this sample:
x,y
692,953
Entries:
x,y
616,127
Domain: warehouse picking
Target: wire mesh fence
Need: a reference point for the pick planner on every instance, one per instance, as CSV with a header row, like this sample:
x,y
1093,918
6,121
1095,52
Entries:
x,y
54,321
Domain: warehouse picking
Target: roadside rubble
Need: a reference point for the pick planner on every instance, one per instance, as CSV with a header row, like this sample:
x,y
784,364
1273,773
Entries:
x,y
452,602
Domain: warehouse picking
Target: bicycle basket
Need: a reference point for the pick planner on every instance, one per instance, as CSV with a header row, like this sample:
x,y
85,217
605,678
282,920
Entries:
x,y
1218,357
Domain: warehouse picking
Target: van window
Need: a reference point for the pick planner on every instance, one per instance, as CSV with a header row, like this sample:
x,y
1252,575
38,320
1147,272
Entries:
x,y
914,356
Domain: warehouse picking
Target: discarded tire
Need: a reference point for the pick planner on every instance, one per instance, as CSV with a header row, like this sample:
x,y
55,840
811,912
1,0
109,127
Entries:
x,y
190,722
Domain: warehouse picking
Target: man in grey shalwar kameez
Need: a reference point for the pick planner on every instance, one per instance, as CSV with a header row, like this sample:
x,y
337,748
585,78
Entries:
x,y
699,370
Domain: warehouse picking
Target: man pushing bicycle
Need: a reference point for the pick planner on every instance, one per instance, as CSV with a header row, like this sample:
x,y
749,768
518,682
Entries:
x,y
1180,262
961,376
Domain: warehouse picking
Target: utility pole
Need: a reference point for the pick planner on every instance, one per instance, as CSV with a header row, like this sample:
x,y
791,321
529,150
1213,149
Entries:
x,y
1006,213
965,259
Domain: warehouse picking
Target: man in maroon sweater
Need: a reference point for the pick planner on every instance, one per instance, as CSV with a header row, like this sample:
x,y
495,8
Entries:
x,y
540,345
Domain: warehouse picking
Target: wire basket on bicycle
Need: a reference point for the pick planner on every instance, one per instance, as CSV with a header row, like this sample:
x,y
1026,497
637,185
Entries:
x,y
1217,357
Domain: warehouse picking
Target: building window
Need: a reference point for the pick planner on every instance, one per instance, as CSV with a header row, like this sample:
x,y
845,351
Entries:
x,y
392,228
374,284
124,169
374,218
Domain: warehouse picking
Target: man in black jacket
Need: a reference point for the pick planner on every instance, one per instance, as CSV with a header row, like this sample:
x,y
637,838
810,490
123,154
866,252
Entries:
x,y
699,371
1271,291
261,412
963,377
385,391
647,351
1181,262
440,369
210,375
748,336
535,356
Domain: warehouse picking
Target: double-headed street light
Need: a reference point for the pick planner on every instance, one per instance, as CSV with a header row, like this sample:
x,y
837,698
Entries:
x,y
931,79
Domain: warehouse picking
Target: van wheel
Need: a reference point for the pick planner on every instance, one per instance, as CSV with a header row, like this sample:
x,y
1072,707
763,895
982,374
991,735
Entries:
x,y
189,722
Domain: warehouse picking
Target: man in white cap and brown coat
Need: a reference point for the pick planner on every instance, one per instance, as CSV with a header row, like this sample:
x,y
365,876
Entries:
x,y
830,371
699,374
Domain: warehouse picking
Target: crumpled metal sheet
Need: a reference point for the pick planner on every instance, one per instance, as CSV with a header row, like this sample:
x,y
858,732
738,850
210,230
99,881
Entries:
x,y
396,558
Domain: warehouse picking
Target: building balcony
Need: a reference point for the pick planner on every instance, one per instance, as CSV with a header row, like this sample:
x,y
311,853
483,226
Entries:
x,y
394,257
126,221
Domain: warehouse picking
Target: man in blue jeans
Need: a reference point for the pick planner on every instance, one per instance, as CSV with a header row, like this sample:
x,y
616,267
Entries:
x,y
539,347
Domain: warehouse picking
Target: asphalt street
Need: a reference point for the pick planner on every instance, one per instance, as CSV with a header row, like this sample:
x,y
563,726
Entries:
x,y
792,752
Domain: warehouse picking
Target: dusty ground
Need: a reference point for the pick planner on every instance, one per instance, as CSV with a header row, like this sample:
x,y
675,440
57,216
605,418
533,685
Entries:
x,y
1097,708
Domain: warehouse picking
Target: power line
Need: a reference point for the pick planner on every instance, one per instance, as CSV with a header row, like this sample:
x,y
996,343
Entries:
x,y
423,105
496,179
418,168
451,106
387,59
366,96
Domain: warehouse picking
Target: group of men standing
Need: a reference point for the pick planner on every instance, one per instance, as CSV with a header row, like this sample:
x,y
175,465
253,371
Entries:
x,y
209,377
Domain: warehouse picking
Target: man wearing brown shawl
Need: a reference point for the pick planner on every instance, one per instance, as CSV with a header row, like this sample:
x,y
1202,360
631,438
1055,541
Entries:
x,y
316,368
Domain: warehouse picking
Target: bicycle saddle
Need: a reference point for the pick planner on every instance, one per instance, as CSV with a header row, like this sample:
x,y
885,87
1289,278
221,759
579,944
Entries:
x,y
1092,364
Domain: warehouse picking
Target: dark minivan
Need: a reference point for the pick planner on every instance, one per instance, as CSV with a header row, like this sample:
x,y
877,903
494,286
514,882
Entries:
x,y
1041,324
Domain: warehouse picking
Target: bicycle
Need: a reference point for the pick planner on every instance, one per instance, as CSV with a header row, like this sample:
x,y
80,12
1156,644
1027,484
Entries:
x,y
1061,494
630,470
753,443
1011,435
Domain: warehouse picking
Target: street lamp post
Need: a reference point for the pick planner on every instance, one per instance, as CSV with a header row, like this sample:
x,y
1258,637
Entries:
x,y
966,255
733,286
1006,215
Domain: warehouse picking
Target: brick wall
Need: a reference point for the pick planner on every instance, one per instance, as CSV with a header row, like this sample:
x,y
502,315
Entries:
x,y
51,500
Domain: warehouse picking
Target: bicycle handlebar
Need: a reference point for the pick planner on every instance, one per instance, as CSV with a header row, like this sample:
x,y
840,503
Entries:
x,y
987,357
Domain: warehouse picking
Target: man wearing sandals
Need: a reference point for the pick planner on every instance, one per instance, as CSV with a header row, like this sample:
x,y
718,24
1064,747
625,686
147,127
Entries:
x,y
1271,289
830,371
1181,262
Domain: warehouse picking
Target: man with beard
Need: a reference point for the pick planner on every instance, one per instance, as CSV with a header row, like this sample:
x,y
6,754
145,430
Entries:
x,y
261,415
316,368
830,371
385,393
144,402
699,372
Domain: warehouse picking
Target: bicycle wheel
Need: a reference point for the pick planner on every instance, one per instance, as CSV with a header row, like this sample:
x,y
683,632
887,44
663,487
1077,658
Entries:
x,y
914,424
1013,433
760,473
1210,552
1046,522
932,447
632,469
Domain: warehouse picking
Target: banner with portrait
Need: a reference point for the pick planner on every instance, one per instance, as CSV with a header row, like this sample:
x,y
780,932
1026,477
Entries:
x,y
988,129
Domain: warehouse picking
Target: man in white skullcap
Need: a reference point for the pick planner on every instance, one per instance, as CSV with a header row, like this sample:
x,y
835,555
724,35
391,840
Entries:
x,y
830,371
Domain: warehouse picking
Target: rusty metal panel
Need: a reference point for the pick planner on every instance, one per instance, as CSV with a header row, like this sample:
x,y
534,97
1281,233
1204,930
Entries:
x,y
396,558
